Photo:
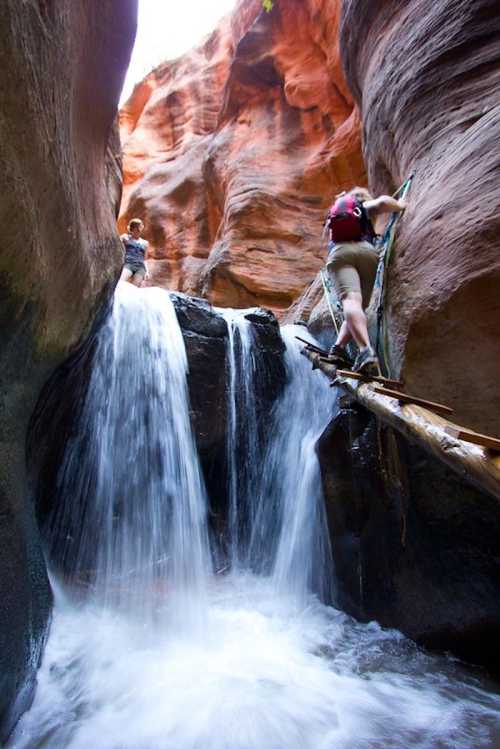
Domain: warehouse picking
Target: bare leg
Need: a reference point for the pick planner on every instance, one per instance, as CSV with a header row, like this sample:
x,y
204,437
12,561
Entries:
x,y
355,318
344,335
126,275
137,279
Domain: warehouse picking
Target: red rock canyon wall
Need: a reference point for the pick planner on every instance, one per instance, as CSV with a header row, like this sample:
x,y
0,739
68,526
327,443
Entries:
x,y
233,151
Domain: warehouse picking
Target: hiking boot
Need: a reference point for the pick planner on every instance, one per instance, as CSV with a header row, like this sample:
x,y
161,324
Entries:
x,y
339,356
366,362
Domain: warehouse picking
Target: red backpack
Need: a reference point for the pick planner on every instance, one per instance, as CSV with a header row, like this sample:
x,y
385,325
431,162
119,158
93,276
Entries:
x,y
345,220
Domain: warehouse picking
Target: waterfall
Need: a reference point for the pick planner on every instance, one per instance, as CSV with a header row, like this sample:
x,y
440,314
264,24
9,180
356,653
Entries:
x,y
161,652
243,448
303,560
143,519
276,513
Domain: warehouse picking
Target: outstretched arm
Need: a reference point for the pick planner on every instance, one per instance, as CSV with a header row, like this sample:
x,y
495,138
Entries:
x,y
385,204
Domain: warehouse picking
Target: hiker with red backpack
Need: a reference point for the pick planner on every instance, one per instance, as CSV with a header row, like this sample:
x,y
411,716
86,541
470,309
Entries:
x,y
352,266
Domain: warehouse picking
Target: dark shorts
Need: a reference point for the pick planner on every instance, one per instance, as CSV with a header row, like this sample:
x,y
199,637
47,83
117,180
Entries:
x,y
137,269
352,266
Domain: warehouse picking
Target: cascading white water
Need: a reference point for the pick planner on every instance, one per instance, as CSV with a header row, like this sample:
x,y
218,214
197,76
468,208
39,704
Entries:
x,y
276,513
243,448
271,667
144,519
291,501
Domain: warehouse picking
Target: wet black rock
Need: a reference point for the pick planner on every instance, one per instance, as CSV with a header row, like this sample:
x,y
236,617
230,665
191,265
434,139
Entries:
x,y
206,338
414,546
55,423
269,360
261,316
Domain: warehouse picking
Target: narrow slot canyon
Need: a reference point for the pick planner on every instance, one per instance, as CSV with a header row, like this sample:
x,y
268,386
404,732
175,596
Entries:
x,y
208,541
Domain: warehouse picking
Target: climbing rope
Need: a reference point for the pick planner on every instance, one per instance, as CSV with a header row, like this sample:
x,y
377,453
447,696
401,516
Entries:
x,y
379,293
328,289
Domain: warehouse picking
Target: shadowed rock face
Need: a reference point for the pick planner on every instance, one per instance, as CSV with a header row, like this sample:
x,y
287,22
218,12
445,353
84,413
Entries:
x,y
233,151
414,546
61,67
206,339
426,76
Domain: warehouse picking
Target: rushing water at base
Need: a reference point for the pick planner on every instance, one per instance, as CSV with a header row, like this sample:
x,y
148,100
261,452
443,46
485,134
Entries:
x,y
263,664
265,674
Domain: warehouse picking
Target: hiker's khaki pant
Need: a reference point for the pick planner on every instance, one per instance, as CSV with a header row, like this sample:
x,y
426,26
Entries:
x,y
352,266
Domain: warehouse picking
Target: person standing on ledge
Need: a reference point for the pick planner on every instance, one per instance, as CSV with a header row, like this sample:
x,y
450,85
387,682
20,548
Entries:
x,y
352,266
136,253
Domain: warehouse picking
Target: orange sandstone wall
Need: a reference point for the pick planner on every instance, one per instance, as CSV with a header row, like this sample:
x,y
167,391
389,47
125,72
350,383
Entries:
x,y
233,152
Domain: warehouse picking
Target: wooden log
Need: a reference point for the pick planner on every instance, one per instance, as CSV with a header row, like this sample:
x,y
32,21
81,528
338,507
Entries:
x,y
364,378
407,398
491,443
471,462
312,346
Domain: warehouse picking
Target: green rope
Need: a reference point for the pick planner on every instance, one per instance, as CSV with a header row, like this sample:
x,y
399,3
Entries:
x,y
381,345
